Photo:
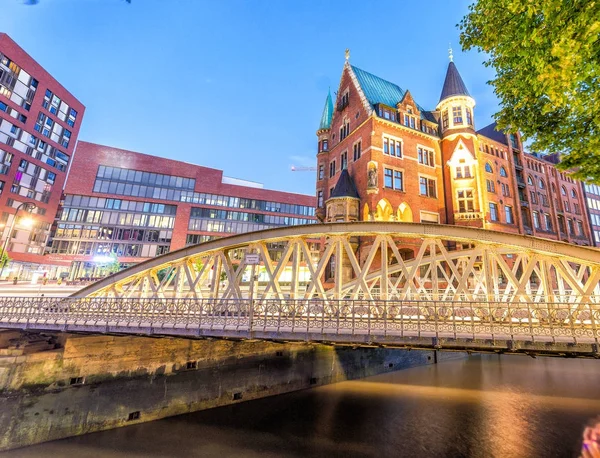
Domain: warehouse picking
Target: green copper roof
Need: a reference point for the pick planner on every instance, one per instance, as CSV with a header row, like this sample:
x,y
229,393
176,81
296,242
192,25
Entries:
x,y
377,90
327,113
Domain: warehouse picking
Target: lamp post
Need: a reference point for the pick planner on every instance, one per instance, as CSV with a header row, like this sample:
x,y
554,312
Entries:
x,y
27,205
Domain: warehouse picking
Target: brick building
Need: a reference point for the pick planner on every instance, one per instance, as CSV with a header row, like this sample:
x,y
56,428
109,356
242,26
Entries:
x,y
137,206
39,125
402,162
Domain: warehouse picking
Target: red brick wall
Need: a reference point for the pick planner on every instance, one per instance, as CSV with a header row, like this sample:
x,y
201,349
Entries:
x,y
46,81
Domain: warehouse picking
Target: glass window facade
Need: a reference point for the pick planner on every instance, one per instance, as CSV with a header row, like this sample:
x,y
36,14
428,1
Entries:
x,y
128,182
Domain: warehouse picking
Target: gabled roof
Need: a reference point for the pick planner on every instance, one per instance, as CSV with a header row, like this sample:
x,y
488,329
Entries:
x,y
492,133
327,113
453,84
377,90
345,186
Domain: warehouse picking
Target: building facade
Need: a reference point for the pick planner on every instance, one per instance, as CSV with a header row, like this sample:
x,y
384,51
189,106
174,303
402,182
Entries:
x,y
405,163
592,199
39,125
135,207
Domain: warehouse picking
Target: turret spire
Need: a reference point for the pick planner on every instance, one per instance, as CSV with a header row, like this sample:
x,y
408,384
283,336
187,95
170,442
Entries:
x,y
453,84
327,112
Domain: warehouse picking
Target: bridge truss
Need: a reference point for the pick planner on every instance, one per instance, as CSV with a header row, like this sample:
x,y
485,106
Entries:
x,y
358,283
367,261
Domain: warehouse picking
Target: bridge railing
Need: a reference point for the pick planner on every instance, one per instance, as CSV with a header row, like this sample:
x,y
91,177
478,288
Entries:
x,y
377,318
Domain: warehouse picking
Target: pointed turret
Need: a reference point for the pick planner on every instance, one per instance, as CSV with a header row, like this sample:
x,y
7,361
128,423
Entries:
x,y
345,186
456,104
327,113
453,84
344,201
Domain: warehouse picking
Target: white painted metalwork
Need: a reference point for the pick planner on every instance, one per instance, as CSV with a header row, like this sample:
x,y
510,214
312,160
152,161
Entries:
x,y
368,261
391,322
390,283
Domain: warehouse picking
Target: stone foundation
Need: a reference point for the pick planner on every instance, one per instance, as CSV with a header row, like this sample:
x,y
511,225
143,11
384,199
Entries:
x,y
100,382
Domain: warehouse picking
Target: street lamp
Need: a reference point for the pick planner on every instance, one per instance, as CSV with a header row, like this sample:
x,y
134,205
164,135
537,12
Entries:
x,y
28,222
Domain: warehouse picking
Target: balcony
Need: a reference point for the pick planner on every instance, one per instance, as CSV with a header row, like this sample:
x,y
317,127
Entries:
x,y
467,216
342,104
517,162
524,203
521,182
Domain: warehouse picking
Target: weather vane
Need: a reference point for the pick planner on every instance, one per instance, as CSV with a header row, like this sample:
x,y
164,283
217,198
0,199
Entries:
x,y
450,55
347,54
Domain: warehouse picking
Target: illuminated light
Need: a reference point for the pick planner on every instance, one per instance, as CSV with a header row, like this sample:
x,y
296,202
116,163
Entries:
x,y
100,259
26,222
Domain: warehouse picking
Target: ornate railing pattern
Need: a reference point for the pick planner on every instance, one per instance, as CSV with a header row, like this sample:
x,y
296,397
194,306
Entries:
x,y
316,319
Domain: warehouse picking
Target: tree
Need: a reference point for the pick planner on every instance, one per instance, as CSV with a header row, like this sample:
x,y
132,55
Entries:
x,y
546,54
4,259
112,266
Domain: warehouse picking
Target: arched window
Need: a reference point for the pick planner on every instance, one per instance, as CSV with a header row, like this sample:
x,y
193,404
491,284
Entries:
x,y
542,184
573,194
529,180
503,172
563,190
488,167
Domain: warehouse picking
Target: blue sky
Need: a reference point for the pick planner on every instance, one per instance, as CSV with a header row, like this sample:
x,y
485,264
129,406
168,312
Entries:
x,y
231,84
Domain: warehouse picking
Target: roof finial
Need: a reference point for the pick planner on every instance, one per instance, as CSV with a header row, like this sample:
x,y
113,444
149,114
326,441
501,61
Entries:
x,y
347,54
450,55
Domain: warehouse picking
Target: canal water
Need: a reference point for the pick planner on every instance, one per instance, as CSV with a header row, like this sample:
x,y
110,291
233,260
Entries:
x,y
481,406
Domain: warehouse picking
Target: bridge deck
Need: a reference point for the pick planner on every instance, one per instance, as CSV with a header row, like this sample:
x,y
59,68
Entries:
x,y
551,328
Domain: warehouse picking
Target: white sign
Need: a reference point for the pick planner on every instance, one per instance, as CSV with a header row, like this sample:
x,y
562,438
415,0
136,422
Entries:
x,y
252,259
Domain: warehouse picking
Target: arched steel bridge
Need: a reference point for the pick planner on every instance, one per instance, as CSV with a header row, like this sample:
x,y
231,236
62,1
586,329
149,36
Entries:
x,y
404,284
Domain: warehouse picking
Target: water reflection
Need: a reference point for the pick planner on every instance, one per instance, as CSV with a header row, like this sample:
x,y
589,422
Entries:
x,y
483,406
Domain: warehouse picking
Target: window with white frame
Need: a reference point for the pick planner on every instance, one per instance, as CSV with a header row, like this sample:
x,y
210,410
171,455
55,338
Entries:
x,y
357,150
548,221
465,200
392,146
493,211
508,214
463,171
393,179
426,156
457,115
469,116
427,186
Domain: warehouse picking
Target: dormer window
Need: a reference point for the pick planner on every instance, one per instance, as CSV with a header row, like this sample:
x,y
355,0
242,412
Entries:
x,y
344,101
457,115
386,113
409,120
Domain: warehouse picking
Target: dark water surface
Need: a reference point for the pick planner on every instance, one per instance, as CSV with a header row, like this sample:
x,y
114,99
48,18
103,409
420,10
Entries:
x,y
483,406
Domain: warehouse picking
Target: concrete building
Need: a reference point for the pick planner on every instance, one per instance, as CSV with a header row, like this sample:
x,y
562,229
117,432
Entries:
x,y
135,207
39,125
402,162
